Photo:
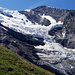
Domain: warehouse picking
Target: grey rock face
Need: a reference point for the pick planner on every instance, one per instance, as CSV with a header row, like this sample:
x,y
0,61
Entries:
x,y
19,43
69,25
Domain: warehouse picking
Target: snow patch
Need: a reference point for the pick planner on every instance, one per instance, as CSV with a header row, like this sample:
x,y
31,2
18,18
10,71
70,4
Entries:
x,y
3,28
51,19
28,10
69,49
72,67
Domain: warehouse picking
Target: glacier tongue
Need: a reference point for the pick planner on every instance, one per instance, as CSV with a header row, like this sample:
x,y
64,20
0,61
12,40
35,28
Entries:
x,y
51,52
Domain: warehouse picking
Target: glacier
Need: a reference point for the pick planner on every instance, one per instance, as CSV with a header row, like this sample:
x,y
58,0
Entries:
x,y
51,52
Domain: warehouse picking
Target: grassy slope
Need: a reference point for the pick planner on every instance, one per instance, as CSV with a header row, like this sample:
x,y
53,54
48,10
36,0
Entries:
x,y
12,64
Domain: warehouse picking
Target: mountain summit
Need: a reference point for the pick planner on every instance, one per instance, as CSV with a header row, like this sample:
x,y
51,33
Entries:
x,y
44,36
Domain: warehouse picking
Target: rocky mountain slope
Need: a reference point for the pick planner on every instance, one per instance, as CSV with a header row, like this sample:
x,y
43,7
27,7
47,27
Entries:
x,y
13,64
44,36
63,15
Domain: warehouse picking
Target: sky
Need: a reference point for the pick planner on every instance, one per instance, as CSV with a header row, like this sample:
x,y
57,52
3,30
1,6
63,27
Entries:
x,y
30,4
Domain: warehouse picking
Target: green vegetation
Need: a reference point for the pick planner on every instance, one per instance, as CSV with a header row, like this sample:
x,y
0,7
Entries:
x,y
12,64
